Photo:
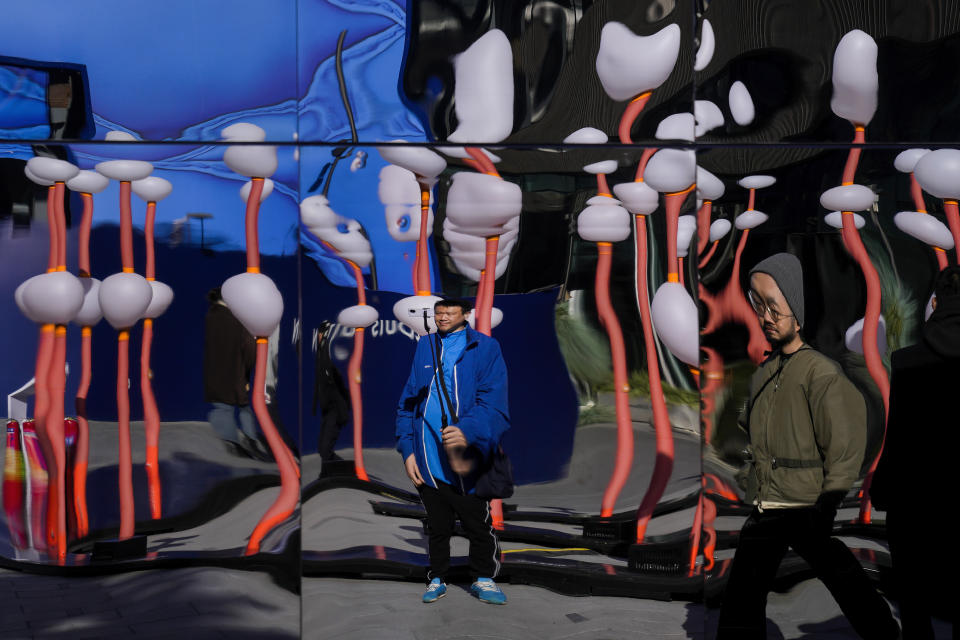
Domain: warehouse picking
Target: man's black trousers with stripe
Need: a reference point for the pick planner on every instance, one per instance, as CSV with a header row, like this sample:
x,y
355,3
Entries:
x,y
444,505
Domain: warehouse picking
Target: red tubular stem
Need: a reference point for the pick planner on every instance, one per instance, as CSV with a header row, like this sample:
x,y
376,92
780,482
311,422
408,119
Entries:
x,y
484,325
150,269
356,399
83,435
941,258
603,189
630,115
41,411
871,352
151,422
52,229
61,219
953,219
917,194
83,249
126,229
708,255
56,468
490,275
354,376
125,465
481,158
853,157
286,501
703,225
624,460
421,283
673,201
251,218
695,531
752,199
642,166
663,464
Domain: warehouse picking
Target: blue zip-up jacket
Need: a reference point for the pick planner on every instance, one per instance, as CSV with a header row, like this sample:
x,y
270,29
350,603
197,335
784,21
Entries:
x,y
479,397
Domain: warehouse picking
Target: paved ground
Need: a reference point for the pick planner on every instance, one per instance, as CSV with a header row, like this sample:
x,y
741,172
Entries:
x,y
190,603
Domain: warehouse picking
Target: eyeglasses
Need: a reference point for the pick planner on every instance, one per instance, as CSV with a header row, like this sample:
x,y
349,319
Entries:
x,y
761,308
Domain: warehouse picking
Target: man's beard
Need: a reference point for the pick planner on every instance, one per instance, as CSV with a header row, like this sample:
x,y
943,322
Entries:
x,y
786,338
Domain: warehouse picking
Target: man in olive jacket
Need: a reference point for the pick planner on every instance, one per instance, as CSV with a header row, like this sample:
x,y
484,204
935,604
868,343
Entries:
x,y
807,428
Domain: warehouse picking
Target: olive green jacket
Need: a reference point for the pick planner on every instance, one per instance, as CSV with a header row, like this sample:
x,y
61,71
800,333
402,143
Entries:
x,y
807,428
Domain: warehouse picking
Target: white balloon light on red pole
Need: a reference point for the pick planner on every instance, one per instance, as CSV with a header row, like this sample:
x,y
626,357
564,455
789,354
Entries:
x,y
257,303
344,237
938,173
57,172
152,189
86,183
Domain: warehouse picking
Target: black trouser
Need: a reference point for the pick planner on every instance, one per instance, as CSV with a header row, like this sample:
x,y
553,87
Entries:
x,y
763,542
445,504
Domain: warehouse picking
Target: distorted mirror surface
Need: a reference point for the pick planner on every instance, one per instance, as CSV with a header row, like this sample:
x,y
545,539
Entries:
x,y
872,232
359,305
144,417
768,71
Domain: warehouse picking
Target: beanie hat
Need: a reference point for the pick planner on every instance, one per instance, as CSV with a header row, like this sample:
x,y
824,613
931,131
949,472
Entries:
x,y
786,271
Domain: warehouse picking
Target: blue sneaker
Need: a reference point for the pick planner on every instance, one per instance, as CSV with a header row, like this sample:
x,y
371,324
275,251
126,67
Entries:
x,y
487,591
436,590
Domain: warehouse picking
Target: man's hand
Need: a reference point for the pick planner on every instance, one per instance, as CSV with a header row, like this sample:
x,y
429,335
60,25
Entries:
x,y
413,472
453,437
455,444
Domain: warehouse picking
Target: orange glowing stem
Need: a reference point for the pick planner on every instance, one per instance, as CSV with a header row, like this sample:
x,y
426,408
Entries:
x,y
703,225
630,114
83,436
52,228
252,215
151,422
286,501
608,318
708,254
125,465
83,250
56,505
663,464
422,276
126,231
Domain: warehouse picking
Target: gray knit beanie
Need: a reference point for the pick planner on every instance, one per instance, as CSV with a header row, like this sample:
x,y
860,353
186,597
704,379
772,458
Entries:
x,y
787,272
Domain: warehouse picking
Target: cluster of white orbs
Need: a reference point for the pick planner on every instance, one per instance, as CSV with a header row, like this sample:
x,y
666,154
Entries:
x,y
252,296
54,297
123,299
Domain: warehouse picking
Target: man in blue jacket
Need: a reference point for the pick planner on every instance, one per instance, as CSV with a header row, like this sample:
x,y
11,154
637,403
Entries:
x,y
447,430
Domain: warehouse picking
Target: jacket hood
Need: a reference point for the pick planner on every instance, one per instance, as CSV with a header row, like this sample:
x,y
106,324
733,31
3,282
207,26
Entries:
x,y
942,331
